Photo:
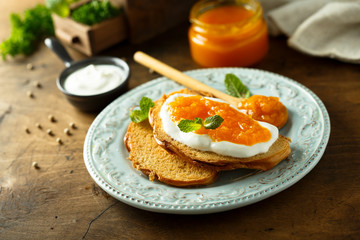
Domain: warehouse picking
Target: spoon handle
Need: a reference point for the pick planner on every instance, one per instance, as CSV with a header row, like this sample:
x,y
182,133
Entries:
x,y
180,77
59,50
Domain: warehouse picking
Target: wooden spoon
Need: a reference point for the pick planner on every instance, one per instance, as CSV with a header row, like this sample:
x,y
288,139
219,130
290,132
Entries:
x,y
190,82
180,77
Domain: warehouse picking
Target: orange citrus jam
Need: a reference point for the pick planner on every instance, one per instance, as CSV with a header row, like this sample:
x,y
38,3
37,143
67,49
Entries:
x,y
266,109
236,128
228,35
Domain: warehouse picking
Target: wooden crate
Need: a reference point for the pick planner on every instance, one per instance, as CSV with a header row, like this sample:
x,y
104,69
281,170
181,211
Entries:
x,y
90,39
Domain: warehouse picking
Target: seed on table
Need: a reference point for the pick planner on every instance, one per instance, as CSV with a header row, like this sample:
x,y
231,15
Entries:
x,y
35,165
72,125
27,130
30,94
67,131
38,125
59,141
37,84
51,118
49,131
29,66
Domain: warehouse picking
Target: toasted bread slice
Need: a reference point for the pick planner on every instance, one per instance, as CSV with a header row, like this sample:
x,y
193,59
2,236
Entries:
x,y
146,155
267,161
264,161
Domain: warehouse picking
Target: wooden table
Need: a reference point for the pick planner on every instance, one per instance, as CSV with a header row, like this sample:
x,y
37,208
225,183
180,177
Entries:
x,y
61,201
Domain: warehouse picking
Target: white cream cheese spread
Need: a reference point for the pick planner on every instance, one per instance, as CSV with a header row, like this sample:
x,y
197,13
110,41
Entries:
x,y
94,79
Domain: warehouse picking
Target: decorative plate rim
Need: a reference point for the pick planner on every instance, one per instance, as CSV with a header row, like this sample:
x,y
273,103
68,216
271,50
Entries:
x,y
223,205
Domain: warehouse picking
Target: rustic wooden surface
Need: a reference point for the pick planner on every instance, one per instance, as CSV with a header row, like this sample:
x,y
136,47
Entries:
x,y
61,201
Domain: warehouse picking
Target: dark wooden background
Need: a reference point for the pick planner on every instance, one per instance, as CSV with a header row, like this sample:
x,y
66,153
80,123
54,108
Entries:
x,y
61,201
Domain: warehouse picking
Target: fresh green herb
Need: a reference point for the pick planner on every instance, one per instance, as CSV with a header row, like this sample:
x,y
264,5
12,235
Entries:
x,y
198,120
235,87
139,115
94,12
212,122
26,33
60,7
189,125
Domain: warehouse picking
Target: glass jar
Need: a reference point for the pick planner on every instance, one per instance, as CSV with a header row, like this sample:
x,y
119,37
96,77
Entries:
x,y
227,33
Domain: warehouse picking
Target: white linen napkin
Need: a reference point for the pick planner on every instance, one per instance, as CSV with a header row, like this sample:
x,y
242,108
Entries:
x,y
324,28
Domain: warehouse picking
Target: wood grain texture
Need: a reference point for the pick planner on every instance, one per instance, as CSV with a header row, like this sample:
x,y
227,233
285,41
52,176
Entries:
x,y
61,201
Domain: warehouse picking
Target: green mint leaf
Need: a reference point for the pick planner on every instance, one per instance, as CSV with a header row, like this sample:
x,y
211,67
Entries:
x,y
139,115
213,122
235,87
146,104
199,121
189,125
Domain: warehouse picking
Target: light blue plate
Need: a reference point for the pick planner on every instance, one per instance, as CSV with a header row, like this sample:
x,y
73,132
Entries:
x,y
106,157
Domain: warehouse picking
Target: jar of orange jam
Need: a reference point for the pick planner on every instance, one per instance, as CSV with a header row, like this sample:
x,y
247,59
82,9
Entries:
x,y
227,33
